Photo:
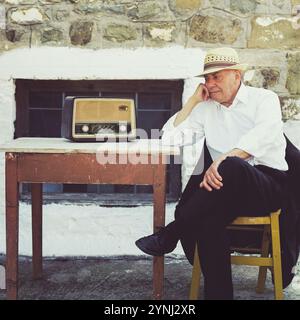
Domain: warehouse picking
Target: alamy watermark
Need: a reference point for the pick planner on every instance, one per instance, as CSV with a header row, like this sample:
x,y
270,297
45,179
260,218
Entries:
x,y
145,149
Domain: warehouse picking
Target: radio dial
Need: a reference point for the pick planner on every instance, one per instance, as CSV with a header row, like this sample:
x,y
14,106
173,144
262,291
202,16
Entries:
x,y
123,128
85,128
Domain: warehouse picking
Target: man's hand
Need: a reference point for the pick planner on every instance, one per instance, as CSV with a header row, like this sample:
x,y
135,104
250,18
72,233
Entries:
x,y
201,94
212,178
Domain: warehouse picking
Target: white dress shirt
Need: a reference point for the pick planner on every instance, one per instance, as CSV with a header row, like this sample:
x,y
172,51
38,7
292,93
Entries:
x,y
252,123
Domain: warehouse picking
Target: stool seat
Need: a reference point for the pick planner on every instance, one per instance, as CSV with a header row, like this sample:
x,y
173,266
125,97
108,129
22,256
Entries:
x,y
268,258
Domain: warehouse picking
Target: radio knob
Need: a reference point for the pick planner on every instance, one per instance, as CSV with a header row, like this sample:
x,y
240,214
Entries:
x,y
123,128
85,128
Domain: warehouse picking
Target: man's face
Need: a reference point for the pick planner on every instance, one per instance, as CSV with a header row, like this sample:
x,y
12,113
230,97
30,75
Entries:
x,y
223,85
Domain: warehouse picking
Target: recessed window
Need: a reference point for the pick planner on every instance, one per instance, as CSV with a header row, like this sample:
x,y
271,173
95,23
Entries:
x,y
39,111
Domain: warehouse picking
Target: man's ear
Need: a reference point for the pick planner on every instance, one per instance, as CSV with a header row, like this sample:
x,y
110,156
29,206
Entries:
x,y
238,75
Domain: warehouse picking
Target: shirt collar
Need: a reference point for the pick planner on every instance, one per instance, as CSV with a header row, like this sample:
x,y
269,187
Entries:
x,y
242,94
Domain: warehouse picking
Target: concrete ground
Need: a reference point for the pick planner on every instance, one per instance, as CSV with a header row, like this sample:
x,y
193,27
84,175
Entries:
x,y
124,278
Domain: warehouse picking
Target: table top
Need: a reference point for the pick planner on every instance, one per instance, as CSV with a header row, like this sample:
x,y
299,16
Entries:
x,y
62,145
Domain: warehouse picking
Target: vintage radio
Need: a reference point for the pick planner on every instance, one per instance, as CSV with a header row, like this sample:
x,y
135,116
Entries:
x,y
98,119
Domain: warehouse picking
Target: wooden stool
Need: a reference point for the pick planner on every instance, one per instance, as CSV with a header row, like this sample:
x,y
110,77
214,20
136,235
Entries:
x,y
271,227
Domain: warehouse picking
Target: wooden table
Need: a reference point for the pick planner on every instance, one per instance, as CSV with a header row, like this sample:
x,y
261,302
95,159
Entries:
x,y
57,160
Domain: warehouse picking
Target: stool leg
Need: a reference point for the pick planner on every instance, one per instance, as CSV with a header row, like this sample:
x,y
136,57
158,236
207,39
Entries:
x,y
264,253
276,256
196,274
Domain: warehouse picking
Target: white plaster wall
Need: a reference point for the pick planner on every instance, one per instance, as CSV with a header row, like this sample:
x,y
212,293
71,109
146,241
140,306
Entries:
x,y
74,63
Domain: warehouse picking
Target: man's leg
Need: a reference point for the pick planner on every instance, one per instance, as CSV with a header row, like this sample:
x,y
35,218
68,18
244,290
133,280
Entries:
x,y
205,215
165,240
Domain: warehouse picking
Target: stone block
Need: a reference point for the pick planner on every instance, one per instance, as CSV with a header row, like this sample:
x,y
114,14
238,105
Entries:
x,y
267,78
279,7
245,6
14,36
293,77
81,32
164,33
119,33
160,31
149,11
274,32
28,16
215,29
185,8
51,34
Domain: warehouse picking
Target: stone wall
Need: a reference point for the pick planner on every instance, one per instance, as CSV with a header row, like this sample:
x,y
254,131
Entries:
x,y
265,32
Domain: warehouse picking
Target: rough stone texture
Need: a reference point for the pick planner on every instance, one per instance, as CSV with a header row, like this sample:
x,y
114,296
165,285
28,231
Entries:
x,y
149,11
14,34
144,11
290,107
49,1
119,33
27,16
161,31
245,6
13,37
81,32
280,7
266,78
88,8
274,32
293,78
185,8
61,15
214,30
158,33
16,2
51,34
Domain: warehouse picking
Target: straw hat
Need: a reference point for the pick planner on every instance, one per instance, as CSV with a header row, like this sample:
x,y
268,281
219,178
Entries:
x,y
222,59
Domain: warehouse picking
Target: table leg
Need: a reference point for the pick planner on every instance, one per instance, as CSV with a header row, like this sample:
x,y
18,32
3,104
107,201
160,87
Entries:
x,y
159,197
12,225
37,217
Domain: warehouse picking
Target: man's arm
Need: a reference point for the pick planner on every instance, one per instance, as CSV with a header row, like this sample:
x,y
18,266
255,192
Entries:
x,y
212,178
201,94
182,128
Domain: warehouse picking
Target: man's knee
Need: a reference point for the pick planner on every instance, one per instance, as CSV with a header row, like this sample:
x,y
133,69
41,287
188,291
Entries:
x,y
231,166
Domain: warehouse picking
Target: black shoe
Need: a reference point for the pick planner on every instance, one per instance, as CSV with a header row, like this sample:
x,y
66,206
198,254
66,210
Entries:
x,y
157,244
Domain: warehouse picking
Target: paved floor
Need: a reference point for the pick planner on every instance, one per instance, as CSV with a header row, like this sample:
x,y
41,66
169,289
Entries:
x,y
124,278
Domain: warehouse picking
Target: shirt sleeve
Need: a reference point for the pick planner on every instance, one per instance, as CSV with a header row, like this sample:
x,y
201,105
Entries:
x,y
267,126
187,132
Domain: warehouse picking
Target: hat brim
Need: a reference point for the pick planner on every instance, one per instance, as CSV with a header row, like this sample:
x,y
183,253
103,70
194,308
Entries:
x,y
241,66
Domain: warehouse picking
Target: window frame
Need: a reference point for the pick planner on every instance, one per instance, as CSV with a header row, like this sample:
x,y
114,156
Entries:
x,y
24,87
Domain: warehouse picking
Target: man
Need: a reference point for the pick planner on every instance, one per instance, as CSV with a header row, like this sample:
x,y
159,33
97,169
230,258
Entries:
x,y
247,175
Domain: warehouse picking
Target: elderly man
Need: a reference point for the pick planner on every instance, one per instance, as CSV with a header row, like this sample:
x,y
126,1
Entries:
x,y
247,173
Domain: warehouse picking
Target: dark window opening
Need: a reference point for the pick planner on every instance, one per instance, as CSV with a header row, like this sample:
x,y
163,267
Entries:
x,y
39,110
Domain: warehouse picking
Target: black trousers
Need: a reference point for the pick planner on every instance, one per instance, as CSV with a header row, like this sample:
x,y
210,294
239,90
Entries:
x,y
203,215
